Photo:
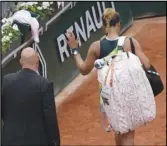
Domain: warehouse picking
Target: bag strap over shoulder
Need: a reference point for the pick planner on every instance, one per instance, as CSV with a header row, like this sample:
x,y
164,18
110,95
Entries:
x,y
121,40
120,44
132,45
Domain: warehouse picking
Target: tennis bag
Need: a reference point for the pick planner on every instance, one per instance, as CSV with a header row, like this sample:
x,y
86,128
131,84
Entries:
x,y
127,97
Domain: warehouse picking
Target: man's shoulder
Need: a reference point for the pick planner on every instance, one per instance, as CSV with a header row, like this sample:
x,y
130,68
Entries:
x,y
9,76
45,80
46,84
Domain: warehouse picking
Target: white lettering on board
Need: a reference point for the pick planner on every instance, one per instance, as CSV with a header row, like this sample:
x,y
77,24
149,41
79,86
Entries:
x,y
83,28
62,45
89,24
97,22
80,31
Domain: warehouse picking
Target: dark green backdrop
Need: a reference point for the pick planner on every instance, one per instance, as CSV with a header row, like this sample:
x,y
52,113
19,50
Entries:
x,y
147,9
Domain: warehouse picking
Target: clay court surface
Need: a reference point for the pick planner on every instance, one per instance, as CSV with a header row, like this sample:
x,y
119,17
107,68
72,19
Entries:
x,y
79,116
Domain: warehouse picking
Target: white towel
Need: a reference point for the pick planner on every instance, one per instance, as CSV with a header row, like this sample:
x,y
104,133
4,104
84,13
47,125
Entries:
x,y
24,16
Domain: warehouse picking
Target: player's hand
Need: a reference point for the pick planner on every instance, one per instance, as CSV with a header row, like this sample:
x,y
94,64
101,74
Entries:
x,y
72,41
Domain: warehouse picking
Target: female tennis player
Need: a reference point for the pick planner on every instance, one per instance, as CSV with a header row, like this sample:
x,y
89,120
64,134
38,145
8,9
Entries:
x,y
102,48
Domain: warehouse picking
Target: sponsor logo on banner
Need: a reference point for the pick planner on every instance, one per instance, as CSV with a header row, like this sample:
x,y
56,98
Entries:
x,y
90,22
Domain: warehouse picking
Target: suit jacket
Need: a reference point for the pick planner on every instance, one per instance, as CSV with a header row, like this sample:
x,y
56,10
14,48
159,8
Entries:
x,y
28,110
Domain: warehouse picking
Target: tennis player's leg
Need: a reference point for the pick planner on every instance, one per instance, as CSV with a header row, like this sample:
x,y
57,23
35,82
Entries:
x,y
125,139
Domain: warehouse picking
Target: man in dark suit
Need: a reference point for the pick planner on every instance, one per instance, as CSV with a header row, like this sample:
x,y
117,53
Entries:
x,y
28,106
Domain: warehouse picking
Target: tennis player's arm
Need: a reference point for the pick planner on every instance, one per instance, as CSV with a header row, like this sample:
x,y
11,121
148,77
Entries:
x,y
138,51
86,66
